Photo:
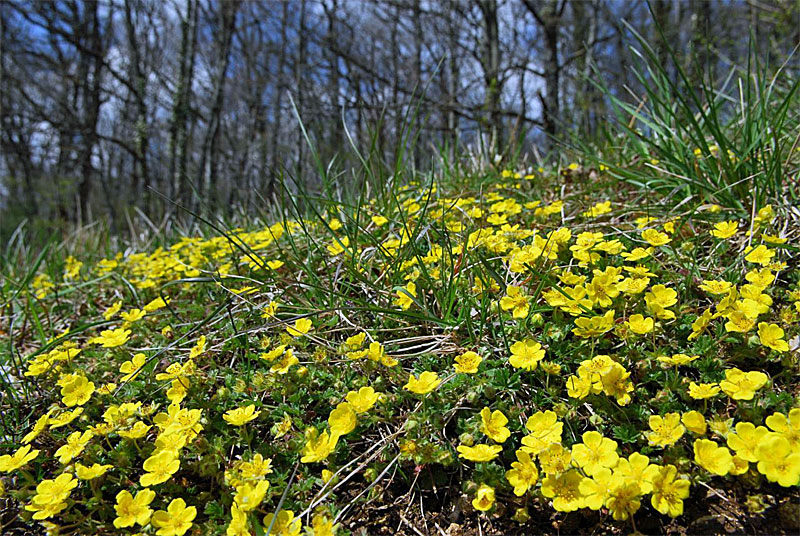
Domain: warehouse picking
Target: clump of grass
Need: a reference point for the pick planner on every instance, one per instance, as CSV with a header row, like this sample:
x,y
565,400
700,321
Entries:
x,y
732,142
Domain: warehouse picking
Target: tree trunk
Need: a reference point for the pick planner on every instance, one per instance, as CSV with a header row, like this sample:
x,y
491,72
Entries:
x,y
491,74
181,108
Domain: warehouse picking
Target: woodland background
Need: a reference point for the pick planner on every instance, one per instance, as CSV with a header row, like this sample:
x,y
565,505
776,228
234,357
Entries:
x,y
116,110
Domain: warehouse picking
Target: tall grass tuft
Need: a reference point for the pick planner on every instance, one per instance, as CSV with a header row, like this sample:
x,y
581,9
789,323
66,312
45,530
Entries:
x,y
733,143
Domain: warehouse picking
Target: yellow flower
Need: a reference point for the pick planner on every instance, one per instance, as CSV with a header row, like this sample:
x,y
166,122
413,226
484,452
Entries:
x,y
746,440
594,326
666,430
339,245
51,496
88,473
318,446
787,427
240,416
700,324
356,341
301,327
762,278
133,315
677,360
111,338
716,287
468,362
159,468
637,254
637,468
342,420
75,444
741,385
523,474
771,335
363,400
12,462
655,237
479,453
286,362
658,299
595,490
177,519
616,382
406,295
668,491
132,368
694,422
155,305
284,524
554,459
493,424
550,368
250,495
64,418
515,301
38,428
712,457
77,392
280,429
545,429
623,498
703,390
760,255
778,461
379,220
596,452
484,498
269,310
239,525
257,467
564,489
526,354
598,209
131,510
725,229
640,325
111,311
425,383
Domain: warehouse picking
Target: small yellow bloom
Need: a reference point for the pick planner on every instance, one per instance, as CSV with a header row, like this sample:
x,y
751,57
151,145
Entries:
x,y
526,354
468,362
741,385
760,255
12,462
176,520
694,422
342,420
424,383
406,295
771,335
88,473
725,229
712,457
640,325
301,327
484,498
363,400
655,237
479,453
240,416
493,424
132,510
